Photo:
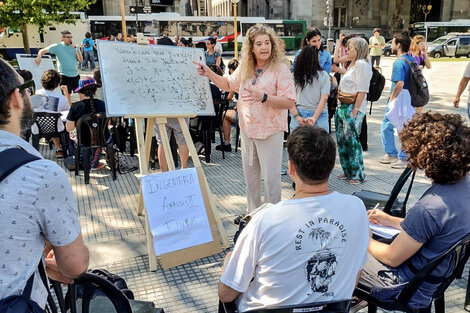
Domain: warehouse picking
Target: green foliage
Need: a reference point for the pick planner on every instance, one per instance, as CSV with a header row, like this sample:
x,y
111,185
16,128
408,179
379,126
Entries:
x,y
17,13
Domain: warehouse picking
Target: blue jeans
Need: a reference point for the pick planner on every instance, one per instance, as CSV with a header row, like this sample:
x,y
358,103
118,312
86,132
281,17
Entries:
x,y
88,56
388,138
321,122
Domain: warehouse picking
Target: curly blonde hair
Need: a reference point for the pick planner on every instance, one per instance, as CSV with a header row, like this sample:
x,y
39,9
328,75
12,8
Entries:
x,y
248,61
439,145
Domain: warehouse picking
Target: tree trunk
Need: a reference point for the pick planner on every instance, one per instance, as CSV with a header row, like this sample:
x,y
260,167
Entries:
x,y
24,33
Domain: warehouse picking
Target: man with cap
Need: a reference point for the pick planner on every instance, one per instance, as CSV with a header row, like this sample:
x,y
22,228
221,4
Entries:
x,y
88,104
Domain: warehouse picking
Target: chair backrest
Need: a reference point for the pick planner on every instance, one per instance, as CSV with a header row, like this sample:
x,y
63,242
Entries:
x,y
458,253
48,123
214,122
389,206
90,283
92,133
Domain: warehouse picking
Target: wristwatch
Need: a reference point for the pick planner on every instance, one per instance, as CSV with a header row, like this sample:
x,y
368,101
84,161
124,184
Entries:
x,y
265,97
356,109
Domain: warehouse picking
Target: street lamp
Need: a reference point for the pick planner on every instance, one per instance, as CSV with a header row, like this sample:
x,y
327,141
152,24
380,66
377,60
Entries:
x,y
235,30
426,9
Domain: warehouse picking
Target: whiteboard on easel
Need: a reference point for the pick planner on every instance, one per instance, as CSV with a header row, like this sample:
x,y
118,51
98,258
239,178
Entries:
x,y
176,212
153,80
27,62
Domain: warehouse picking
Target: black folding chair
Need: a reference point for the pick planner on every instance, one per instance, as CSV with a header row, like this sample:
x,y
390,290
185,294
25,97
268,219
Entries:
x,y
110,299
93,135
458,254
48,126
206,126
389,202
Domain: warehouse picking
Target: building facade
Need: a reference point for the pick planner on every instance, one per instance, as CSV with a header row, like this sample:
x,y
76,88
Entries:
x,y
349,16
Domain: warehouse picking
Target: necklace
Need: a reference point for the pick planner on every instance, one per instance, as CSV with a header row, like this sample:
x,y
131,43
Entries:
x,y
310,194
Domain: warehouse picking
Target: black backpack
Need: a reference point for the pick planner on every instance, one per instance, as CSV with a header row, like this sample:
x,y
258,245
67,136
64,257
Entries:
x,y
376,86
418,86
116,280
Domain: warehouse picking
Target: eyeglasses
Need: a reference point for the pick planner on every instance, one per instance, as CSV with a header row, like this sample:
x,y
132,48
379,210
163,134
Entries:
x,y
29,86
69,37
257,74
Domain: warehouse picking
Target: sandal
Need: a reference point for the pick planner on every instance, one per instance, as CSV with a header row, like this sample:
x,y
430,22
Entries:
x,y
342,176
356,182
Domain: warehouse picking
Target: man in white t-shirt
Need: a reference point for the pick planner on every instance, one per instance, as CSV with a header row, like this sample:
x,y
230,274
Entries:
x,y
462,85
307,249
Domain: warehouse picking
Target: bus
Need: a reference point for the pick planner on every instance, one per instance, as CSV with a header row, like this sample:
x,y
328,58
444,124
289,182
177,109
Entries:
x,y
11,39
433,30
198,28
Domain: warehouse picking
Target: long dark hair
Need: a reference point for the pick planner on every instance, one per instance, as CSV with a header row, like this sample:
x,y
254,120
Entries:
x,y
307,67
90,92
311,32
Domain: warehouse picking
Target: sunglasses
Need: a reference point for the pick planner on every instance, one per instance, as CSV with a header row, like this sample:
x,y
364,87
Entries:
x,y
29,87
257,74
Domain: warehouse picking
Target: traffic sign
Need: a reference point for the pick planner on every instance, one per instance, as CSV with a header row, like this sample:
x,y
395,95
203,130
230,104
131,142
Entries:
x,y
136,9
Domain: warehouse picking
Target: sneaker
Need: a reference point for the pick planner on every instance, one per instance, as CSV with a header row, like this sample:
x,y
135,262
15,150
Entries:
x,y
199,146
387,159
400,164
59,153
99,166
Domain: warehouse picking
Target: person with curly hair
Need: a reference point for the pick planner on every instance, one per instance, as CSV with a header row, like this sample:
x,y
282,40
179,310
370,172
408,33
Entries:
x,y
439,145
266,91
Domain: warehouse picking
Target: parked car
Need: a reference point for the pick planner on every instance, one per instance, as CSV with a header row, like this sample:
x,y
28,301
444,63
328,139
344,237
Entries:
x,y
452,45
387,50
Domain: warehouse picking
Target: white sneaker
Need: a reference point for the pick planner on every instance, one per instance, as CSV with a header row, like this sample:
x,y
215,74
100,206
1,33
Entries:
x,y
387,159
400,164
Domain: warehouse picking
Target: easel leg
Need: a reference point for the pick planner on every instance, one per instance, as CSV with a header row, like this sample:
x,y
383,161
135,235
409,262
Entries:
x,y
203,181
161,121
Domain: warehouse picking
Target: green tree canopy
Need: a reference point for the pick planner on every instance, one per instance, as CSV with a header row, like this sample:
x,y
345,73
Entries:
x,y
18,13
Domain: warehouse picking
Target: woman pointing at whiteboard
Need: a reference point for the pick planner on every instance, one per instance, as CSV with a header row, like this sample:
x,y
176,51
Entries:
x,y
266,91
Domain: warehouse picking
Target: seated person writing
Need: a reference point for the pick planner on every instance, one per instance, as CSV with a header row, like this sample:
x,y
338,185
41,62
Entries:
x,y
439,145
47,100
303,250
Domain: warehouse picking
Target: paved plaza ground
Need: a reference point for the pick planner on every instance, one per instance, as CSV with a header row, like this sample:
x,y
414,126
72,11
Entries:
x,y
116,236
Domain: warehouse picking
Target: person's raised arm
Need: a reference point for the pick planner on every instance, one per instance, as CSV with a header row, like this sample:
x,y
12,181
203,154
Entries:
x,y
41,52
219,81
78,53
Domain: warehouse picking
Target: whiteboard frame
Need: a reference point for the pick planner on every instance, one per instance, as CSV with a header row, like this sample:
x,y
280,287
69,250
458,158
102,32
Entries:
x,y
110,112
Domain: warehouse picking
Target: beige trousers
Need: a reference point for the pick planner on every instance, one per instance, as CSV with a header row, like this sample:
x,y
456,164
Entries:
x,y
262,158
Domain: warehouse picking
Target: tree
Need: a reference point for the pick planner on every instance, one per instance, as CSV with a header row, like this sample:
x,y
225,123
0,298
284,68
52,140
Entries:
x,y
19,13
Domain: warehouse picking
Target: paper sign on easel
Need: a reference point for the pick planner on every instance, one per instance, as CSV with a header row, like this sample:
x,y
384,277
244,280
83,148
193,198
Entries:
x,y
176,211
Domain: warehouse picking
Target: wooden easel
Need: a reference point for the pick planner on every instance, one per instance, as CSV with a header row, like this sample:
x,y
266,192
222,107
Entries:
x,y
218,232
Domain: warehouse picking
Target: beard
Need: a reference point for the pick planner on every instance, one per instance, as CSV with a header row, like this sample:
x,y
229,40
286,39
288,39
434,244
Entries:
x,y
27,118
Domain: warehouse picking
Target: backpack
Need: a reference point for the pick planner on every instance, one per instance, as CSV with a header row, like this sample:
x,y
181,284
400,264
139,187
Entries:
x,y
116,280
10,160
87,43
418,87
376,86
121,162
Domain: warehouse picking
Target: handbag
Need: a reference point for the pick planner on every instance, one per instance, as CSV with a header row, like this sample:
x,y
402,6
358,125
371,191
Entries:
x,y
348,98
